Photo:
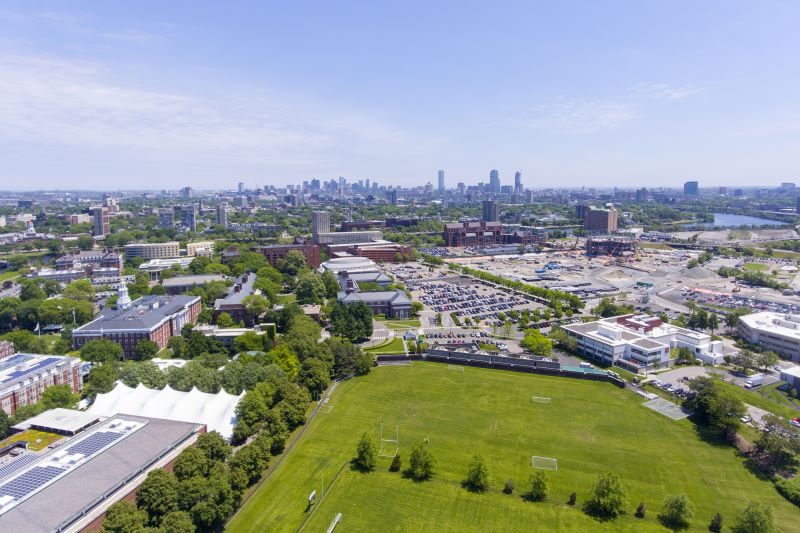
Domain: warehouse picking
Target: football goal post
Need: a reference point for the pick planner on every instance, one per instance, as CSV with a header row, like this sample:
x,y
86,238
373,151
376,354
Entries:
x,y
544,463
327,405
540,399
389,446
455,368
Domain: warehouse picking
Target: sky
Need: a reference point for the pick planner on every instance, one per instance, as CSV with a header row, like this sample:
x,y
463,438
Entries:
x,y
161,95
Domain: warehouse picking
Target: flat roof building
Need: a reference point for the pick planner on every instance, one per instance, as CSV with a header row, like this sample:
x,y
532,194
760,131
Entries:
x,y
24,378
778,332
159,250
392,304
181,284
278,252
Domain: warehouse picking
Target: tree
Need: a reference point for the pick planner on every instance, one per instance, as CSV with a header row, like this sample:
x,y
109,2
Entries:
x,y
351,321
477,479
252,409
190,463
214,446
715,407
538,486
224,320
295,262
283,356
641,510
536,343
30,290
310,289
677,511
177,522
563,339
608,497
744,360
777,443
59,396
209,500
255,305
315,376
713,322
101,351
365,453
158,495
80,289
145,349
756,518
251,460
332,286
715,526
124,517
5,425
102,379
416,308
422,464
767,359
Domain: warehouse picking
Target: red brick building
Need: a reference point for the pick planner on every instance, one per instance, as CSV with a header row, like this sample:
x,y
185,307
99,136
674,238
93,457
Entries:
x,y
278,252
24,377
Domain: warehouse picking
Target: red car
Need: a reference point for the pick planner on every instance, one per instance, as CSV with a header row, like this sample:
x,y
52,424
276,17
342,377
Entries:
x,y
795,422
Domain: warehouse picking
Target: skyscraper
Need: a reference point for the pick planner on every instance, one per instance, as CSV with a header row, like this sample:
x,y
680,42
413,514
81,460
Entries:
x,y
393,197
320,223
101,226
494,181
241,187
189,216
166,217
691,188
517,183
489,211
222,214
441,181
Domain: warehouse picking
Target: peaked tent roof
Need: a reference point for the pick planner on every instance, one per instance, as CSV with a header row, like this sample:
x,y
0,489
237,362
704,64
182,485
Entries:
x,y
216,411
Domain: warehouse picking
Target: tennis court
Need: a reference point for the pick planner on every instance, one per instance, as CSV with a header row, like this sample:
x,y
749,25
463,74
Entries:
x,y
667,408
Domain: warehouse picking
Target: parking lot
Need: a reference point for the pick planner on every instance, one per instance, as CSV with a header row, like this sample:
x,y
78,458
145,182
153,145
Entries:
x,y
473,300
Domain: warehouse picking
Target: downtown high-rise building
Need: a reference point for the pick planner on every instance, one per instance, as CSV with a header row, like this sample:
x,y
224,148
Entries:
x,y
189,216
691,188
494,181
517,182
441,181
166,217
222,214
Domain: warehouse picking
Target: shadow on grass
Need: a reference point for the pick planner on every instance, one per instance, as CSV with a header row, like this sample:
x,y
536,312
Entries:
x,y
355,466
528,497
472,488
672,525
708,435
598,514
757,470
409,474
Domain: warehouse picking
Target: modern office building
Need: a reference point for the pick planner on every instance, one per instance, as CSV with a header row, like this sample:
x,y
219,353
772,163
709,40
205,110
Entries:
x,y
489,211
641,342
155,250
392,196
79,218
494,181
777,332
181,284
349,237
441,182
155,318
189,216
517,182
320,223
24,377
276,253
791,376
200,249
166,217
691,188
598,220
101,222
473,234
222,214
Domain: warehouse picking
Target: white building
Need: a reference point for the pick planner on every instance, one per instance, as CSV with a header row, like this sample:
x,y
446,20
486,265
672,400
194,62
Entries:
x,y
641,342
791,376
774,331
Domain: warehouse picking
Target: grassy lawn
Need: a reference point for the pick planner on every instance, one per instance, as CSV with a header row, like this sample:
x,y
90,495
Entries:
x,y
758,267
589,427
772,392
287,298
32,436
391,346
402,324
762,402
9,274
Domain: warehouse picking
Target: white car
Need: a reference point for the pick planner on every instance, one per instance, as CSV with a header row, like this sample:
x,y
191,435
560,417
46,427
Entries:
x,y
745,419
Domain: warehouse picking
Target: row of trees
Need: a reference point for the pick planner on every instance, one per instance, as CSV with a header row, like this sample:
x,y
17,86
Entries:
x,y
553,297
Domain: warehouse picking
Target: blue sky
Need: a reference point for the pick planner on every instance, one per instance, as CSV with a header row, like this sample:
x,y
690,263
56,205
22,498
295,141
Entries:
x,y
166,94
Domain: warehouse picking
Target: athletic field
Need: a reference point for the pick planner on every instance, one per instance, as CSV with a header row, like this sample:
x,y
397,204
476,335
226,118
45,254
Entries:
x,y
588,427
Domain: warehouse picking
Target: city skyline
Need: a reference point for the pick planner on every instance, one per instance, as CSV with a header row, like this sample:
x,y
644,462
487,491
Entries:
x,y
161,96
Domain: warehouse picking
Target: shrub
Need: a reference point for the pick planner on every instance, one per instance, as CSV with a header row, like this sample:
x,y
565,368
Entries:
x,y
641,510
677,511
716,523
365,453
538,486
508,488
608,498
572,498
789,489
477,475
421,462
396,464
756,518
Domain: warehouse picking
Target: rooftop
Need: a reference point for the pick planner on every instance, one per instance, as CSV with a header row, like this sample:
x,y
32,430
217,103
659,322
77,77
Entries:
x,y
196,279
15,367
776,323
146,312
59,420
235,297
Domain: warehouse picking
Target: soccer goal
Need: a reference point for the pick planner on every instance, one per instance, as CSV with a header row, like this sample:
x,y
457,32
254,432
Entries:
x,y
540,399
455,368
544,463
327,405
389,446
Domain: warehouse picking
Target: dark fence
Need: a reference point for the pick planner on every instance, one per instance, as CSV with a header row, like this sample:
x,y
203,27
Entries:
x,y
531,366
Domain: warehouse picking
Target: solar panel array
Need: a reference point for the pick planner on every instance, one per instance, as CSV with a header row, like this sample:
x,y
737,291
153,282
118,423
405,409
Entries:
x,y
94,443
16,464
30,481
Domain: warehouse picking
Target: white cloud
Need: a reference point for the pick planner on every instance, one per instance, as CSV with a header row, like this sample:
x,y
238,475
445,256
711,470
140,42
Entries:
x,y
45,100
576,115
663,91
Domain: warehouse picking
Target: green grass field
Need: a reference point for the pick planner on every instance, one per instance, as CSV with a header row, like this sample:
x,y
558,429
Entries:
x,y
758,267
589,427
389,346
402,324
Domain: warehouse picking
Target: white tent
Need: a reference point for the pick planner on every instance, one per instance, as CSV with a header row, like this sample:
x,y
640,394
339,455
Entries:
x,y
216,411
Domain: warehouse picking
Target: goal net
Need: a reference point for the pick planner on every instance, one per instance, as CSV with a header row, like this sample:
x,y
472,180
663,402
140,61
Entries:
x,y
455,368
327,405
544,463
540,399
389,445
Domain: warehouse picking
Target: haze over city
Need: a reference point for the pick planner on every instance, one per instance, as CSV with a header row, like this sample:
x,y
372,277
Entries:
x,y
106,95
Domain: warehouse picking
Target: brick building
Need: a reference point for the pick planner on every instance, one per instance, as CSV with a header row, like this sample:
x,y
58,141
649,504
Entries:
x,y
24,377
155,318
278,252
90,261
473,234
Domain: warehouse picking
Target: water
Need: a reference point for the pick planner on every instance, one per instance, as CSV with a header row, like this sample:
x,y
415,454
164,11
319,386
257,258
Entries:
x,y
726,220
